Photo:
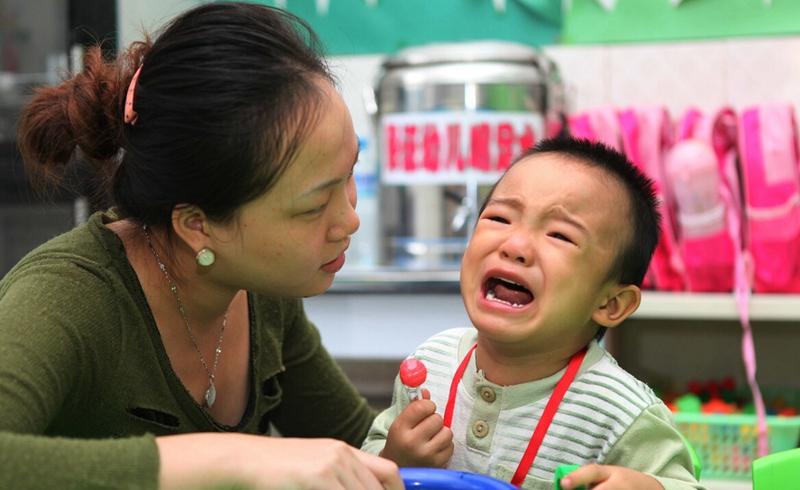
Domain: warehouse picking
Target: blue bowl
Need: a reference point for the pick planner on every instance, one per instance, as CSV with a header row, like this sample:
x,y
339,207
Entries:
x,y
438,479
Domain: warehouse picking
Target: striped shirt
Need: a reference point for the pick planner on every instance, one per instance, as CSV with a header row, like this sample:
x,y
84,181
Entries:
x,y
492,424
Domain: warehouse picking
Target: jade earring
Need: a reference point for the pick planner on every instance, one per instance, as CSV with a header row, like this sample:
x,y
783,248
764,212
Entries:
x,y
205,257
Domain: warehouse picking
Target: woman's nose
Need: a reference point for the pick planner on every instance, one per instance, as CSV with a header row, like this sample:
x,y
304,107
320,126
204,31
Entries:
x,y
347,220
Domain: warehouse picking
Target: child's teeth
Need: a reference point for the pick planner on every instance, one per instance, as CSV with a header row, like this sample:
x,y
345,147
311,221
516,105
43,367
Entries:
x,y
490,295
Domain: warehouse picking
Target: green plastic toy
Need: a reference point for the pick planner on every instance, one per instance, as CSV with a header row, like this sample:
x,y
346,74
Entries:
x,y
778,471
689,403
561,471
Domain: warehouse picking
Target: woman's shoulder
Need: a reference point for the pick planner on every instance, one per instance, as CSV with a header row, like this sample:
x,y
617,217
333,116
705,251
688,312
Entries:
x,y
86,247
65,288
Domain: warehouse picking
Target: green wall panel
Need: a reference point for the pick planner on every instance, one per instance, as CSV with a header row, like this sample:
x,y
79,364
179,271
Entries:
x,y
657,20
354,27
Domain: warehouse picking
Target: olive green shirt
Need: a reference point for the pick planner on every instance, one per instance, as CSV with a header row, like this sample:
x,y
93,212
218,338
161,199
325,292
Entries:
x,y
85,382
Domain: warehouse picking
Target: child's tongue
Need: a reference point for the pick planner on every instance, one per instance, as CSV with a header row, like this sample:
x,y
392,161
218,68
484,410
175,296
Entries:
x,y
506,292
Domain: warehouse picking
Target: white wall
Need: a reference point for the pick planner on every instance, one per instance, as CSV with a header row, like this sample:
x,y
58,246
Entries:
x,y
136,17
705,74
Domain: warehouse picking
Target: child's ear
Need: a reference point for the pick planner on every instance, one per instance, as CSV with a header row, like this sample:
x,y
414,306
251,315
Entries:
x,y
622,301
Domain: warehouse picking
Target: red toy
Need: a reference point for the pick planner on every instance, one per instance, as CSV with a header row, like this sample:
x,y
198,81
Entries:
x,y
412,375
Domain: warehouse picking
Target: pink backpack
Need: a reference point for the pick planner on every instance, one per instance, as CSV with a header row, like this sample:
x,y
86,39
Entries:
x,y
647,134
596,125
703,186
769,157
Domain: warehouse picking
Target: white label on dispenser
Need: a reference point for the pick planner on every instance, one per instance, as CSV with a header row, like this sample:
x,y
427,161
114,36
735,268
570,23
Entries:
x,y
454,147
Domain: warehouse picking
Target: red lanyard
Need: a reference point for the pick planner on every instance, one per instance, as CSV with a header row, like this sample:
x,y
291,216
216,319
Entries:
x,y
547,416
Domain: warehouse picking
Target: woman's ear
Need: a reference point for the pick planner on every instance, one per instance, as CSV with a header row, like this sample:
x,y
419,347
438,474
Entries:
x,y
619,305
191,225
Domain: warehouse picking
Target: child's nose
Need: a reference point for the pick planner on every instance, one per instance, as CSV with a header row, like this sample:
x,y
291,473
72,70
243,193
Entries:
x,y
518,247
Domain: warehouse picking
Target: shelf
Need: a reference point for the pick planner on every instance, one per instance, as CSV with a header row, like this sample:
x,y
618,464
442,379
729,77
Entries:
x,y
717,306
727,485
655,304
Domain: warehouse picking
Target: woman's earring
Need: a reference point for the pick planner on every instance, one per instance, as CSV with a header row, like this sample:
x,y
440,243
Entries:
x,y
205,257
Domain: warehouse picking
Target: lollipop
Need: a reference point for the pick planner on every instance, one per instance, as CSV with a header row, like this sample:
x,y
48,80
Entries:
x,y
412,375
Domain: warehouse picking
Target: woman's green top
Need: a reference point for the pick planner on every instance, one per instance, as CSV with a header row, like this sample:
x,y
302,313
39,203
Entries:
x,y
85,382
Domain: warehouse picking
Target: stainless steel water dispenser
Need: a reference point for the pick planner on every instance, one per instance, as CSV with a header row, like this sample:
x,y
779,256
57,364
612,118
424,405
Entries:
x,y
449,119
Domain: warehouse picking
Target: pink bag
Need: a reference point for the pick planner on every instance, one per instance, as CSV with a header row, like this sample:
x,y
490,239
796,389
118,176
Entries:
x,y
597,125
647,134
769,155
701,176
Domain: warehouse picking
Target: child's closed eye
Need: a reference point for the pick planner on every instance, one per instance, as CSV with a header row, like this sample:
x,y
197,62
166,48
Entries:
x,y
560,236
497,218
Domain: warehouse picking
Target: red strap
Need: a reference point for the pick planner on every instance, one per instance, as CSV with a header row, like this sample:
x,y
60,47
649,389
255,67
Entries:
x,y
547,417
451,400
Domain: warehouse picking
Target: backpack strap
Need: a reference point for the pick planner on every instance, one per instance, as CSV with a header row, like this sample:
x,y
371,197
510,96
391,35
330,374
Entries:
x,y
768,152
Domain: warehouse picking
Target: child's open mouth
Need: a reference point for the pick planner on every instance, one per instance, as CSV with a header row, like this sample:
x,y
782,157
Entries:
x,y
507,292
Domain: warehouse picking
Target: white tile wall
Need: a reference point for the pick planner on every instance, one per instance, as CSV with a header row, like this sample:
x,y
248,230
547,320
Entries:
x,y
705,74
587,75
763,70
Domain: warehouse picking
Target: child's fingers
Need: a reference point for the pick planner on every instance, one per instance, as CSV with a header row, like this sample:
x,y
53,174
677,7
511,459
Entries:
x,y
415,412
442,441
429,427
585,475
426,394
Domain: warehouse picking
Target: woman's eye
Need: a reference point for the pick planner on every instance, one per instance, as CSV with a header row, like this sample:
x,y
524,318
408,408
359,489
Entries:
x,y
316,210
560,236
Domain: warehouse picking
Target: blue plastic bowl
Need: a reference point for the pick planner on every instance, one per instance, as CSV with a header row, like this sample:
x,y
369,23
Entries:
x,y
438,479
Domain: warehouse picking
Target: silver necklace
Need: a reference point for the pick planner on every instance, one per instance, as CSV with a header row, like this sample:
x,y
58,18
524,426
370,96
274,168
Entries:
x,y
211,392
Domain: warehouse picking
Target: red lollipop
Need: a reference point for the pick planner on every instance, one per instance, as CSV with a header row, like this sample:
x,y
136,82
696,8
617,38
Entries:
x,y
412,375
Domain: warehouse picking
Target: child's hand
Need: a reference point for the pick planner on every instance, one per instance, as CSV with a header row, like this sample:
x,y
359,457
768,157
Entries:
x,y
604,477
418,437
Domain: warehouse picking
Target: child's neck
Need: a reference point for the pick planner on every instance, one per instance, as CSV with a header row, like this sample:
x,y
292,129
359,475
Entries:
x,y
506,367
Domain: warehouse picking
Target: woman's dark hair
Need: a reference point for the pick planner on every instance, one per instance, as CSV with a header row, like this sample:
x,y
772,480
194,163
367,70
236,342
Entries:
x,y
226,95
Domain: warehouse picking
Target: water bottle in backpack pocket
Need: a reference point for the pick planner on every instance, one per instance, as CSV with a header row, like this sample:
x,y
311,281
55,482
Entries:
x,y
702,182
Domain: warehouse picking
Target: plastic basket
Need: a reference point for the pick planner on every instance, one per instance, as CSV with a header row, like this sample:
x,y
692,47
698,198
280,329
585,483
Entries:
x,y
727,444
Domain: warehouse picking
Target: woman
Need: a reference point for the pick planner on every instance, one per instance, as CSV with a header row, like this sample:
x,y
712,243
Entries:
x,y
153,345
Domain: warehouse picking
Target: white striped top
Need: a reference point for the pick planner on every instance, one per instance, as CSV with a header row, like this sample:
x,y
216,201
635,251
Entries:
x,y
492,424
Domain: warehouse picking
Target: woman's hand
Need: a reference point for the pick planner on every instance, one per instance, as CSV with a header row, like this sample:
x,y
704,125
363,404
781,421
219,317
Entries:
x,y
604,477
418,437
271,463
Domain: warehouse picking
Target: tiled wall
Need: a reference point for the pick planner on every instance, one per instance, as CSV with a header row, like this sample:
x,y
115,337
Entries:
x,y
705,74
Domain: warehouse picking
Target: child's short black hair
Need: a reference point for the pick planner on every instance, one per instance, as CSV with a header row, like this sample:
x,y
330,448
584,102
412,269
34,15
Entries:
x,y
632,262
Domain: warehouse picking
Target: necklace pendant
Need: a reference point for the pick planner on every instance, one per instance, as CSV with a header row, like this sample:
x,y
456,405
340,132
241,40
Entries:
x,y
211,395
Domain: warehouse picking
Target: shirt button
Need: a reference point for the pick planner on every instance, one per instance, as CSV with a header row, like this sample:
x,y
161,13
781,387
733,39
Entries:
x,y
488,394
480,429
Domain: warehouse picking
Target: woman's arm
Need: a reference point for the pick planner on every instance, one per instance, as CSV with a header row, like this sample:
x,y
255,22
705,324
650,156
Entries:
x,y
257,462
48,314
